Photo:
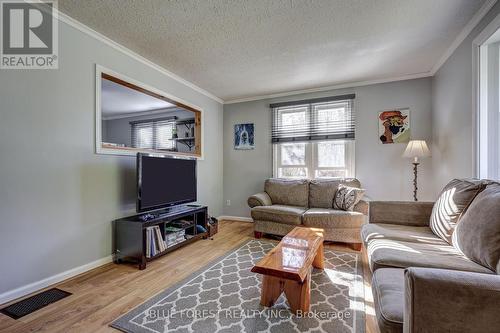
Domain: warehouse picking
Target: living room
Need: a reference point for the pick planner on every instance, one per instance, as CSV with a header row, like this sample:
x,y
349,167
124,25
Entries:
x,y
250,166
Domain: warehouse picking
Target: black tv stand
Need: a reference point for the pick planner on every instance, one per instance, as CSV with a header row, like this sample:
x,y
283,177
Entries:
x,y
130,232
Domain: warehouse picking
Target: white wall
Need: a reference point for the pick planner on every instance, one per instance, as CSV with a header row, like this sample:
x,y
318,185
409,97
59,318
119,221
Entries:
x,y
452,117
382,170
57,197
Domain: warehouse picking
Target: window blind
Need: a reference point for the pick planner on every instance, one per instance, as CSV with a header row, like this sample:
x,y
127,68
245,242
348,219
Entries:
x,y
157,134
330,118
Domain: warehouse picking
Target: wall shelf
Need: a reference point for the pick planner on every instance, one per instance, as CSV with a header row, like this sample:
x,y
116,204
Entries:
x,y
189,142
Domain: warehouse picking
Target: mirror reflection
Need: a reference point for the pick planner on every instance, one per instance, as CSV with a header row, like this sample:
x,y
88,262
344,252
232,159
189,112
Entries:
x,y
133,118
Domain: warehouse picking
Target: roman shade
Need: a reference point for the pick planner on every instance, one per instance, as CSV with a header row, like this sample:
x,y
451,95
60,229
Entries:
x,y
328,118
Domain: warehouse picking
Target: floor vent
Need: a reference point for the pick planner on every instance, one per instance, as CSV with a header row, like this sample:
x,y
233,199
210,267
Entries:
x,y
33,303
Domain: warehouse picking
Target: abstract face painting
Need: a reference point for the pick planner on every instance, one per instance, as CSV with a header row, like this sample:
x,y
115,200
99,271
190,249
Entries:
x,y
394,126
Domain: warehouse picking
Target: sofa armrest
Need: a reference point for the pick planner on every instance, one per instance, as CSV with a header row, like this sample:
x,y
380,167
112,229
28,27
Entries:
x,y
401,212
259,199
440,300
362,207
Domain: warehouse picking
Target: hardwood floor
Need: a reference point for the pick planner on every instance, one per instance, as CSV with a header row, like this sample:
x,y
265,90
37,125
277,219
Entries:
x,y
105,293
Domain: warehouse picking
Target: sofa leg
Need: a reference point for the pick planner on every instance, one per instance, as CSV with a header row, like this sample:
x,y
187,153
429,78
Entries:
x,y
357,246
257,234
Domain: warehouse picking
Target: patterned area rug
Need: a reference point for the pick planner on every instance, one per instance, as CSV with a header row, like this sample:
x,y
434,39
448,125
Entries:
x,y
224,297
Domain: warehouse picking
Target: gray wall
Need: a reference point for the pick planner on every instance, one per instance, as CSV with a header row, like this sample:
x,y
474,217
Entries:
x,y
382,170
57,197
453,132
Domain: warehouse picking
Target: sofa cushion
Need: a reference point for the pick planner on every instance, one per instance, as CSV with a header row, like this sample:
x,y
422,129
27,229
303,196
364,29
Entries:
x,y
391,253
279,213
347,197
332,218
451,204
478,233
288,192
388,295
422,235
322,192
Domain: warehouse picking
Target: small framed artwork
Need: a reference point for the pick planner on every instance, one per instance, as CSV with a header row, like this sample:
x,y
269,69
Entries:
x,y
244,136
394,126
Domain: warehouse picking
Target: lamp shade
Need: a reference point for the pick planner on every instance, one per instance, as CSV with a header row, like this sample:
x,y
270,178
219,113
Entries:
x,y
416,149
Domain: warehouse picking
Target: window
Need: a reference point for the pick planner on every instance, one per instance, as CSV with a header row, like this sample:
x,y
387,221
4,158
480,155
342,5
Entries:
x,y
164,134
314,139
321,159
153,134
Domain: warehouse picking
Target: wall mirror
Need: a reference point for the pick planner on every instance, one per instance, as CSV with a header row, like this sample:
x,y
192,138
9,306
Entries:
x,y
131,118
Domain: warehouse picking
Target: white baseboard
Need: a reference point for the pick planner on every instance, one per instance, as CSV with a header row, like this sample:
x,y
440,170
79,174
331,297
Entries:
x,y
235,218
38,285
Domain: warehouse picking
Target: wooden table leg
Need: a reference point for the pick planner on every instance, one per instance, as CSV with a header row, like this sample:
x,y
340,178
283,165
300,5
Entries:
x,y
319,259
272,287
298,294
142,263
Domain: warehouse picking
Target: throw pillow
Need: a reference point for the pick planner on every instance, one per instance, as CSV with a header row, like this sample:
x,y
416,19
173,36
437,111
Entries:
x,y
451,204
478,233
347,197
322,192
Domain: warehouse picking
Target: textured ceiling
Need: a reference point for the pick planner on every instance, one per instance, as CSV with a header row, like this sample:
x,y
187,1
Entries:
x,y
238,48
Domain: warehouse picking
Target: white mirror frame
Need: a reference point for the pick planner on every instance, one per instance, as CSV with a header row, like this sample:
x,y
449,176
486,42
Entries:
x,y
99,70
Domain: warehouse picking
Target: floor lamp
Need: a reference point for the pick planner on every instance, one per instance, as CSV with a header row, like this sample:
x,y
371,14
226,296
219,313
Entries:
x,y
416,149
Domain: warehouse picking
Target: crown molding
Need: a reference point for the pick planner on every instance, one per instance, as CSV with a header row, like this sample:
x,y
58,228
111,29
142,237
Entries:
x,y
332,87
449,51
91,32
473,22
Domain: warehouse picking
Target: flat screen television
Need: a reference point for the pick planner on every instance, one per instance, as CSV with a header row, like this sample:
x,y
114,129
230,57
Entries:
x,y
164,182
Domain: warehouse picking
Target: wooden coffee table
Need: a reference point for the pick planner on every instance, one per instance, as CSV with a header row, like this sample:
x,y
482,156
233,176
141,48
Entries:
x,y
287,268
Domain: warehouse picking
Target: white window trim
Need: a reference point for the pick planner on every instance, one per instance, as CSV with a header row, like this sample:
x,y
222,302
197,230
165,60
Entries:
x,y
311,160
349,155
480,97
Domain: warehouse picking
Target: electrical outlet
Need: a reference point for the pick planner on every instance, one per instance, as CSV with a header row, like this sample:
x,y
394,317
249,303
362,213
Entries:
x,y
228,202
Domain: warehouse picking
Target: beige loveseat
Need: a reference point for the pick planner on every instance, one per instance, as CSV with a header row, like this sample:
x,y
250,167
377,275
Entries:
x,y
285,204
421,282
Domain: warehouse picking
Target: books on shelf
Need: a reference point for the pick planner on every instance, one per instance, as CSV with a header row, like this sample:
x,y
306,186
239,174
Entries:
x,y
170,229
174,235
154,241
